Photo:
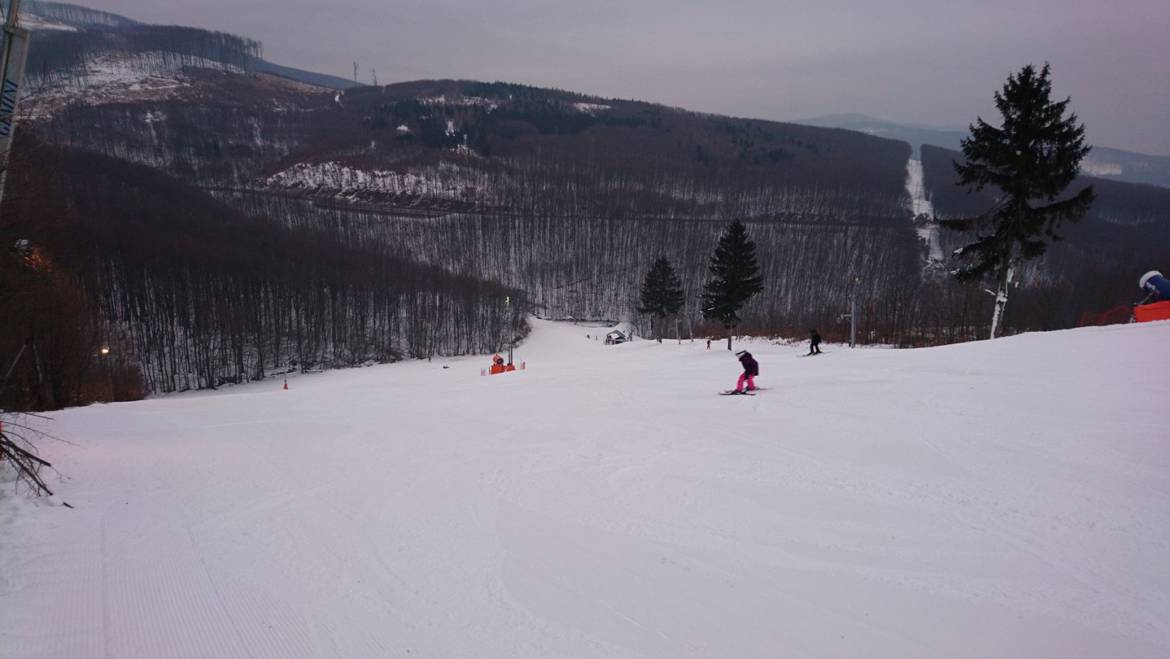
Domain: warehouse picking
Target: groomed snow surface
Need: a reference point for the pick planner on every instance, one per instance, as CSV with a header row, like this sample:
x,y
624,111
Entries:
x,y
993,499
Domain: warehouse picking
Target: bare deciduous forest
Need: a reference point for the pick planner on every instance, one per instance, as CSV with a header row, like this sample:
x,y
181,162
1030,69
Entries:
x,y
186,292
240,224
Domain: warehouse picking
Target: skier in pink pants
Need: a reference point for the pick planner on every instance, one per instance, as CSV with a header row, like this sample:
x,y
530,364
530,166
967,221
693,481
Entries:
x,y
750,370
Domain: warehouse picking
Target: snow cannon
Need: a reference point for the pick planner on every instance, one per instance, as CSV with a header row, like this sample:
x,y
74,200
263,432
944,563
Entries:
x,y
497,365
1156,285
1157,288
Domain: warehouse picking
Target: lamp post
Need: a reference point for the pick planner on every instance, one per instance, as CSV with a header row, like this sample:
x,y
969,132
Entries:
x,y
853,314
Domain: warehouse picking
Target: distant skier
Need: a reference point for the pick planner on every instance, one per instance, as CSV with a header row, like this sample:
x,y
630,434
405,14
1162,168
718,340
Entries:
x,y
751,369
814,342
1156,286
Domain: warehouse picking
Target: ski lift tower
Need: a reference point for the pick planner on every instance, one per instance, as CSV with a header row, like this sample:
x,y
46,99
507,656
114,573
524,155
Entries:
x,y
12,59
852,315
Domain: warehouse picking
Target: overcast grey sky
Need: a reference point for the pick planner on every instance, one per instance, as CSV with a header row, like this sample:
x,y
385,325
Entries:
x,y
914,61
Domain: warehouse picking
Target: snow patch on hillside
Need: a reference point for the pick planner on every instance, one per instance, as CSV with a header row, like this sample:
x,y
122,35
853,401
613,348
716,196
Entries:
x,y
37,23
445,180
469,101
1094,167
117,78
591,108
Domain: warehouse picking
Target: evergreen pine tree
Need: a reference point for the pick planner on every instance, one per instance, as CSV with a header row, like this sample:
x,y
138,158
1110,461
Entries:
x,y
662,294
1029,161
735,277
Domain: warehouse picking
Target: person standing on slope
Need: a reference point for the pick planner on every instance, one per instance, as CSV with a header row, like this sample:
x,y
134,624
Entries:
x,y
750,370
814,342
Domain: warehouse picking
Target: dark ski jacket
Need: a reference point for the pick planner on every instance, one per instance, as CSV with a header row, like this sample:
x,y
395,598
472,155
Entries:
x,y
749,364
816,338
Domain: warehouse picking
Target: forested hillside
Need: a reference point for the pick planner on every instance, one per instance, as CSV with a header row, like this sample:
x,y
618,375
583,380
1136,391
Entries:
x,y
1095,267
562,195
399,200
186,292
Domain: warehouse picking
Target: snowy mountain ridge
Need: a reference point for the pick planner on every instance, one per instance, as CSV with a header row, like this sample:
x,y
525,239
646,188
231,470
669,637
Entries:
x,y
39,14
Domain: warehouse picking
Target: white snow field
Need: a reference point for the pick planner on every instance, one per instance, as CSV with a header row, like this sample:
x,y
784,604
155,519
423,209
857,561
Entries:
x,y
992,499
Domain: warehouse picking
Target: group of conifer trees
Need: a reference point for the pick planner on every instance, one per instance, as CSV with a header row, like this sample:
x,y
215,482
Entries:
x,y
1029,160
734,278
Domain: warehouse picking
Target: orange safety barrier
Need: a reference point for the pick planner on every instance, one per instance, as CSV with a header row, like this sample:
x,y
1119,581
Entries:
x,y
1144,313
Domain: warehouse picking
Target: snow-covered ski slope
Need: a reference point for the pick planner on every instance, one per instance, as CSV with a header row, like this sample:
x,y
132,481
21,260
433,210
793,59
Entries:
x,y
993,499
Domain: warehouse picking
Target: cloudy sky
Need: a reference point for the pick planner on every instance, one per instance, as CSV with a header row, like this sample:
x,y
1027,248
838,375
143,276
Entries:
x,y
914,61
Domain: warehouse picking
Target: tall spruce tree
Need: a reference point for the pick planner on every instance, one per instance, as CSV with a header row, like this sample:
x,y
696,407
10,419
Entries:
x,y
735,277
1028,161
662,294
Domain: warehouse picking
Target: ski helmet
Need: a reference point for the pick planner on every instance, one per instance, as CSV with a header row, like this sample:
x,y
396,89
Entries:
x,y
1147,277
